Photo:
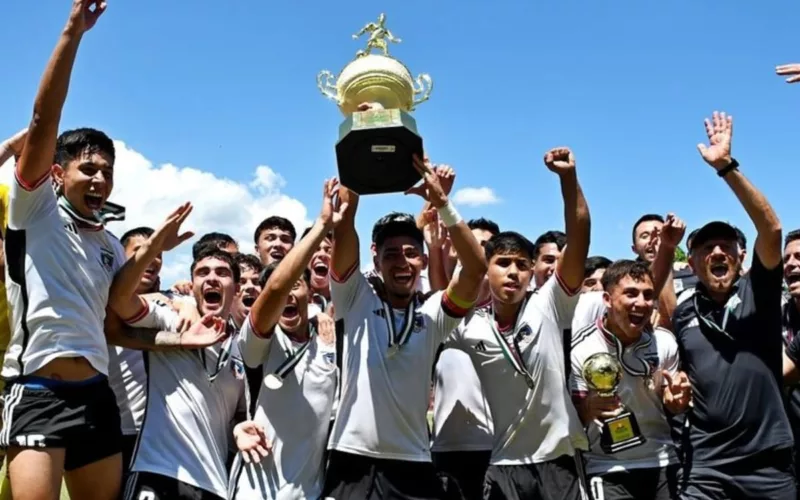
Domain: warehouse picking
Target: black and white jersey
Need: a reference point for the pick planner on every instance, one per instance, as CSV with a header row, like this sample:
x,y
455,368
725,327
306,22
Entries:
x,y
296,416
590,308
58,274
654,352
193,397
385,391
127,377
523,377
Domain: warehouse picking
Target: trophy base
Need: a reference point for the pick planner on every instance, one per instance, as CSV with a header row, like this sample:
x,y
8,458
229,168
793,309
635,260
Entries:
x,y
621,433
374,152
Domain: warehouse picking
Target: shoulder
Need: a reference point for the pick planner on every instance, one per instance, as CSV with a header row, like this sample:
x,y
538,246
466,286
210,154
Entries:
x,y
584,336
664,338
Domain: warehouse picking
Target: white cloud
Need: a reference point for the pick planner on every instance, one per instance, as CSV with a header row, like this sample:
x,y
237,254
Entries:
x,y
475,197
150,193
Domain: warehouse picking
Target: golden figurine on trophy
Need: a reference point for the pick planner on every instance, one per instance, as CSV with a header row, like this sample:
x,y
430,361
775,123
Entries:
x,y
603,374
375,146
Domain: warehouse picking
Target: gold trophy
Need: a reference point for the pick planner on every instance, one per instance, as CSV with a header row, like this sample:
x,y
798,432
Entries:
x,y
374,150
603,373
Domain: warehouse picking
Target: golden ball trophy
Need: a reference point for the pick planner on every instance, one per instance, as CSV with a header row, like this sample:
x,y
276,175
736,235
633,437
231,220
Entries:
x,y
603,373
375,147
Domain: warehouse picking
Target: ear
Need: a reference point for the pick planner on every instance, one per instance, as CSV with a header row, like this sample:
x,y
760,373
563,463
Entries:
x,y
424,261
58,173
374,250
607,299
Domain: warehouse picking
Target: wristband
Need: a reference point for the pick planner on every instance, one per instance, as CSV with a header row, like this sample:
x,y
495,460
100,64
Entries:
x,y
733,165
449,215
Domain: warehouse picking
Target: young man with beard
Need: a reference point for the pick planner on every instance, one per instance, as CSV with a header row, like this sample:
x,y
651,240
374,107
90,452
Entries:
x,y
274,237
379,444
651,386
730,340
250,269
319,266
296,378
517,349
194,397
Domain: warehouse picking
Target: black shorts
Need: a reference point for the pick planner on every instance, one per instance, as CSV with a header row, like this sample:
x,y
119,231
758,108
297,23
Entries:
x,y
149,486
128,447
660,483
351,477
466,469
81,417
766,476
559,479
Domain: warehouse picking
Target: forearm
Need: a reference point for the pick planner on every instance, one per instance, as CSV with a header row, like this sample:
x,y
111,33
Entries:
x,y
5,152
663,284
143,339
437,274
764,218
345,252
577,223
122,295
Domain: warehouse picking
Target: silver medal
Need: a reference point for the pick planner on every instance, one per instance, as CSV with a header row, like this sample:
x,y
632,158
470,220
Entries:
x,y
273,382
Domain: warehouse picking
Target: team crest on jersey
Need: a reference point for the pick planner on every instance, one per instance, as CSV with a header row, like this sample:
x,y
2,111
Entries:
x,y
651,358
107,259
330,357
238,368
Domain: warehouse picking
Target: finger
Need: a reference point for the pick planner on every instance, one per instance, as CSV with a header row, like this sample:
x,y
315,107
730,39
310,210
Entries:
x,y
343,208
255,456
246,457
262,450
709,128
793,79
729,125
702,148
667,377
418,190
787,69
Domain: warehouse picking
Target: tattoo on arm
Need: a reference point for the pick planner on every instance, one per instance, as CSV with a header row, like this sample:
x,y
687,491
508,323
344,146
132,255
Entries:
x,y
149,339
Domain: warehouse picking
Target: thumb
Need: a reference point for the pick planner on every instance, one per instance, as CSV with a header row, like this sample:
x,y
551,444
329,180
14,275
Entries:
x,y
702,148
208,319
418,190
668,377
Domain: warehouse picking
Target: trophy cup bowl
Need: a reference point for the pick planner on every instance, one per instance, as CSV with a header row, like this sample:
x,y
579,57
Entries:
x,y
603,374
375,147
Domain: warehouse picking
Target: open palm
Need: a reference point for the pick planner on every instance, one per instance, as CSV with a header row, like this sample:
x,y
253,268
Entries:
x,y
333,208
167,236
719,130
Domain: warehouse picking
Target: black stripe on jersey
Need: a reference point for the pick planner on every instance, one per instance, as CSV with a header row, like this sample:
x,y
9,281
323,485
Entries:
x,y
339,355
15,262
583,334
146,359
253,378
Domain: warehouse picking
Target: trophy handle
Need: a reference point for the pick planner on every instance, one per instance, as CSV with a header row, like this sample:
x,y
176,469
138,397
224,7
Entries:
x,y
424,86
326,85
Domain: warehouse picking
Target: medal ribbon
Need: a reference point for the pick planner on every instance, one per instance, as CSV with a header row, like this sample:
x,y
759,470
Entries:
x,y
512,353
396,341
293,357
109,212
647,370
222,358
710,322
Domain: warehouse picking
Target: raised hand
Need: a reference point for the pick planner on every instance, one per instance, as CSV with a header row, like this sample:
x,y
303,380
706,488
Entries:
x,y
326,328
251,439
790,70
447,176
166,237
560,160
333,207
720,131
677,392
430,189
85,14
672,231
208,331
182,287
434,232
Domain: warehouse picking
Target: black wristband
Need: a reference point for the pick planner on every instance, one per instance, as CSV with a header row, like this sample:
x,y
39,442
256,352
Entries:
x,y
733,165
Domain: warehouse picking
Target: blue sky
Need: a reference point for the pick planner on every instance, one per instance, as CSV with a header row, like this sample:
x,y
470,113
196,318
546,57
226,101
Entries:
x,y
223,87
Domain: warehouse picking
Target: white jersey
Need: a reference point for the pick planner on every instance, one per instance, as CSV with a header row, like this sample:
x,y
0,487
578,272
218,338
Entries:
x,y
534,418
127,377
461,417
57,279
655,351
385,394
193,397
590,308
296,417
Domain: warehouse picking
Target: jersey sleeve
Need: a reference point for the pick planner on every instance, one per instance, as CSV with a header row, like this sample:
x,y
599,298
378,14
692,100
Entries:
x,y
348,290
253,346
589,308
29,203
668,352
444,314
157,316
556,301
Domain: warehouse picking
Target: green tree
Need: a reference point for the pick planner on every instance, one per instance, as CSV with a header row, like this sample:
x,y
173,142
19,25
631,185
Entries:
x,y
680,255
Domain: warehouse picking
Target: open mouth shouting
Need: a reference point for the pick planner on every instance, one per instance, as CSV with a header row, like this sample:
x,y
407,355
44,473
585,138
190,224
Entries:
x,y
248,301
94,201
319,270
637,319
719,269
277,253
403,278
793,277
212,299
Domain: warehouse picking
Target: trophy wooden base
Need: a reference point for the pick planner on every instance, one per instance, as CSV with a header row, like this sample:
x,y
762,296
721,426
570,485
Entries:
x,y
621,433
374,152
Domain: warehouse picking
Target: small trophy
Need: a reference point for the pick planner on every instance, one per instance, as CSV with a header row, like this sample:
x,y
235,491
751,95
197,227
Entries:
x,y
603,374
375,147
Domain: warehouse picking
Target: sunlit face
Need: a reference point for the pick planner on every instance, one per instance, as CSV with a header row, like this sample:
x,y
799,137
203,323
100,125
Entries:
x,y
213,287
592,282
716,264
320,266
791,267
87,181
629,305
509,276
400,261
646,238
545,264
248,288
295,312
149,282
273,245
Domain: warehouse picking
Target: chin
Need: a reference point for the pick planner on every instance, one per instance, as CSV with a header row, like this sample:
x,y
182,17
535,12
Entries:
x,y
289,325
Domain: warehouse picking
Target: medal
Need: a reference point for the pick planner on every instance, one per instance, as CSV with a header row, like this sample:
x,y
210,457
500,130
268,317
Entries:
x,y
399,339
273,382
511,351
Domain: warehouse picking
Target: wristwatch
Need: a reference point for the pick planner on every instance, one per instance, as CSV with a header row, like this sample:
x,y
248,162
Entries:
x,y
733,165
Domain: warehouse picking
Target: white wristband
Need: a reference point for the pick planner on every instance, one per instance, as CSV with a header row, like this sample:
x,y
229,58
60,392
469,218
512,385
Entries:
x,y
449,215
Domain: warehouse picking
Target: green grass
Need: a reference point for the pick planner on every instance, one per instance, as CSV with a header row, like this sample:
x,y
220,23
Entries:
x,y
64,494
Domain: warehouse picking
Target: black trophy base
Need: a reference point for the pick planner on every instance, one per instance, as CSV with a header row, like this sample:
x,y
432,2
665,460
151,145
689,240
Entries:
x,y
374,152
621,433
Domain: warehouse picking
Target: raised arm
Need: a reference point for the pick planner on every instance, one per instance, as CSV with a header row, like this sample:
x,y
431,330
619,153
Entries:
x,y
208,331
268,307
768,246
670,237
37,154
577,221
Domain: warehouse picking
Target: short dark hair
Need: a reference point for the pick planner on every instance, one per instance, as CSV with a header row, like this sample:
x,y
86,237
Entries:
x,y
741,239
793,235
212,252
485,225
328,236
268,270
556,237
622,268
71,144
248,261
275,222
396,224
595,263
645,218
508,242
216,240
142,231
